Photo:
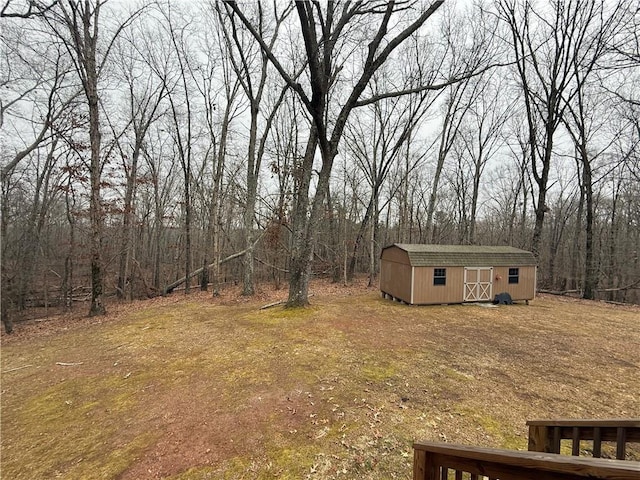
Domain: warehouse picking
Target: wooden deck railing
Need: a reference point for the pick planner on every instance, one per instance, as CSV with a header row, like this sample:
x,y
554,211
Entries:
x,y
547,435
441,461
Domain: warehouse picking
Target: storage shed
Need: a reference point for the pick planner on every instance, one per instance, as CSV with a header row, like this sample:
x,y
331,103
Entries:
x,y
434,274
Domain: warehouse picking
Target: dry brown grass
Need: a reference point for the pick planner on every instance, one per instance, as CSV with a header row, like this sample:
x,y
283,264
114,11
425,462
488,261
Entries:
x,y
195,388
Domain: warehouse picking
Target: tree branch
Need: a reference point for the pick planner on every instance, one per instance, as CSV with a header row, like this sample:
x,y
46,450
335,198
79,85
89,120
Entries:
x,y
35,9
424,88
268,52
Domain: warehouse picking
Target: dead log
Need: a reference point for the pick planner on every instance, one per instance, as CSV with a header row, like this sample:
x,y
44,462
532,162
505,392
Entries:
x,y
169,288
274,304
16,368
280,302
558,292
631,286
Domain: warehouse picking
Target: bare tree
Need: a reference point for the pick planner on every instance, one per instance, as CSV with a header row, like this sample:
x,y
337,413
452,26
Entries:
x,y
160,172
251,68
546,44
460,96
175,69
478,142
82,24
144,97
217,69
37,101
323,33
377,138
600,27
78,24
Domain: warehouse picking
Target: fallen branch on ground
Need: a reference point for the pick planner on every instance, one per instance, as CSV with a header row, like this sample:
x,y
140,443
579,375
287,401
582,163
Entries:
x,y
558,292
17,368
169,288
275,304
631,286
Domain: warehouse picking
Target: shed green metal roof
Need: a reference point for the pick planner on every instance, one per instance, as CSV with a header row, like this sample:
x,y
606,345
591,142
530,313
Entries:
x,y
465,255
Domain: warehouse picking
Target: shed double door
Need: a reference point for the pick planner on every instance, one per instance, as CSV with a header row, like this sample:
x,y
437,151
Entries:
x,y
478,285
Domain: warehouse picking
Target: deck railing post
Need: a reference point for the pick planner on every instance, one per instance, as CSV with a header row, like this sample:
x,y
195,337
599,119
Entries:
x,y
424,467
554,445
621,443
538,438
419,464
597,442
575,439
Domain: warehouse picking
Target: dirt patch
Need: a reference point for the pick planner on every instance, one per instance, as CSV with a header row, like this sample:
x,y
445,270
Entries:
x,y
192,387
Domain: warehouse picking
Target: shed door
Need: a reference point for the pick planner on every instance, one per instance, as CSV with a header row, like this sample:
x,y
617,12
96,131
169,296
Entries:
x,y
478,285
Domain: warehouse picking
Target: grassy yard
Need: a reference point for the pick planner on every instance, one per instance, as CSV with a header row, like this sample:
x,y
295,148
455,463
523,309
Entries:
x,y
195,388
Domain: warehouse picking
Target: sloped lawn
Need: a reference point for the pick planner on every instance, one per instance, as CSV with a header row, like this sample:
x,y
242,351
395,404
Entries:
x,y
195,388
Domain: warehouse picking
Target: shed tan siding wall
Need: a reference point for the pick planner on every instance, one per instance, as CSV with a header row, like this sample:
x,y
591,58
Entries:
x,y
425,292
524,290
395,254
395,273
395,279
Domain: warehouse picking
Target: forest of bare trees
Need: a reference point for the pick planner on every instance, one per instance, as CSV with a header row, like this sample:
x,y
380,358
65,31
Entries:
x,y
154,147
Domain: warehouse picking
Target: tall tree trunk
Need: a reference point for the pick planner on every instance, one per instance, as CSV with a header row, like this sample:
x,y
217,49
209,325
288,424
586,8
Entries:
x,y
334,240
95,206
301,249
362,230
591,272
217,199
577,238
541,204
403,224
127,225
435,183
5,293
613,240
474,199
248,287
187,229
373,251
157,233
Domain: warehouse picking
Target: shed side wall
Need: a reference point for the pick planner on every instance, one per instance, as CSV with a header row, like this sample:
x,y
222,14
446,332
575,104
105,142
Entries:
x,y
395,254
395,279
425,292
525,289
395,273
